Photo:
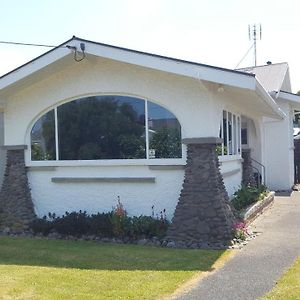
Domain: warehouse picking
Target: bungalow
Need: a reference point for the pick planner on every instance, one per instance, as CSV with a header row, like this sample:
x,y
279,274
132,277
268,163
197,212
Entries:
x,y
87,122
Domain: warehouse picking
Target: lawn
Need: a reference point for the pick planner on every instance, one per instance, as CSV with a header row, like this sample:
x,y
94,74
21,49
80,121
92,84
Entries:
x,y
288,287
55,269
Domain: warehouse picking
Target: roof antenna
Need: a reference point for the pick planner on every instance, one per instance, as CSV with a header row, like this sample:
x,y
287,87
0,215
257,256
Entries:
x,y
254,32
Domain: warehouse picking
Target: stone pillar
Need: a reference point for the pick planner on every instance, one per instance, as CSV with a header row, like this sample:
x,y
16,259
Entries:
x,y
16,207
203,216
248,178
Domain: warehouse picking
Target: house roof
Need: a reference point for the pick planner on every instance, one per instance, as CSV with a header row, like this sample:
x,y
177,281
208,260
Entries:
x,y
55,58
274,77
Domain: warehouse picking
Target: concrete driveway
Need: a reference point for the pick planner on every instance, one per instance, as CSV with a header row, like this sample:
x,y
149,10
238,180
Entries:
x,y
254,270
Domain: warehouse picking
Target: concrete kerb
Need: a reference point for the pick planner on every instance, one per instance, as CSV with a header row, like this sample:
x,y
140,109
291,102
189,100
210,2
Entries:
x,y
251,213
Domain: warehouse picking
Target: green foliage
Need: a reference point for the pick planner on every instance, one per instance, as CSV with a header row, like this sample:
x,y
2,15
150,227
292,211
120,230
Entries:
x,y
167,143
240,231
219,150
55,269
42,226
248,195
43,133
110,225
107,129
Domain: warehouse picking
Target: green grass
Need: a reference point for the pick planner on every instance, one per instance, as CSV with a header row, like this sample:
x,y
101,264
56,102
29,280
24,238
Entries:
x,y
288,287
49,269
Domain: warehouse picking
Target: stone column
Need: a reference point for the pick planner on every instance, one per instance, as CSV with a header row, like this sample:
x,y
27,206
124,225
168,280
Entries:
x,y
248,178
203,216
16,207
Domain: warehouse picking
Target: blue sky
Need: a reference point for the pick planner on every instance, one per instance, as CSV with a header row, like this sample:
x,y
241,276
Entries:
x,y
213,32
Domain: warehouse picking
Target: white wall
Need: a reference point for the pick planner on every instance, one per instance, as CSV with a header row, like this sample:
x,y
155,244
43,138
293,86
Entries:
x,y
177,94
137,198
197,107
279,151
231,169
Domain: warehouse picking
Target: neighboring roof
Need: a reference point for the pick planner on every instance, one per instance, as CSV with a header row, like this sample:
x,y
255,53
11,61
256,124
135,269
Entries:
x,y
293,98
274,77
29,72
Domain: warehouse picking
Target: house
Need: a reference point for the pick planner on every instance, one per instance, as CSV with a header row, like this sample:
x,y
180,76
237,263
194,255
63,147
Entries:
x,y
87,122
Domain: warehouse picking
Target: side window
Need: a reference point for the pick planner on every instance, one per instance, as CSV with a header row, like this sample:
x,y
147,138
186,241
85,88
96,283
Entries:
x,y
230,132
164,133
43,138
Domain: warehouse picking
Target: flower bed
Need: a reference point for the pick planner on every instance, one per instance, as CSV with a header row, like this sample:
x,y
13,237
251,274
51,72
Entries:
x,y
114,225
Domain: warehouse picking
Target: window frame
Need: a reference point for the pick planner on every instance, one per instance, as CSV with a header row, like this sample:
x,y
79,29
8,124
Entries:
x,y
102,162
233,130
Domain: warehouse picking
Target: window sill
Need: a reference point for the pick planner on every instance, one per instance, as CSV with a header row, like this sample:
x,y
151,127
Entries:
x,y
229,158
155,163
103,179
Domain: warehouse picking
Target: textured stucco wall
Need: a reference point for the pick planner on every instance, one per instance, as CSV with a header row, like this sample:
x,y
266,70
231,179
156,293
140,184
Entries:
x,y
279,151
232,178
197,106
186,98
137,198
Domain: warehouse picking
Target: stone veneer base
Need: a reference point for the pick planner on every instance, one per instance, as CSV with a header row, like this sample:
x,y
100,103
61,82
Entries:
x,y
203,216
16,207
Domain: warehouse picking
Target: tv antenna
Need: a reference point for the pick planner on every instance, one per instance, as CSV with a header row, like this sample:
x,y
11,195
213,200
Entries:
x,y
254,32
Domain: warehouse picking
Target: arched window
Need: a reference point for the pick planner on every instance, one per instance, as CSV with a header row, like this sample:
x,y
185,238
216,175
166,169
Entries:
x,y
106,127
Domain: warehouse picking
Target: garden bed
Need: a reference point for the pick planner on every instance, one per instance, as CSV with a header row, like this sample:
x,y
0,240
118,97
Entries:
x,y
248,214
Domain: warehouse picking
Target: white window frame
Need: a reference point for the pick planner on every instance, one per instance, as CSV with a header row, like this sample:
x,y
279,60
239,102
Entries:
x,y
235,131
104,162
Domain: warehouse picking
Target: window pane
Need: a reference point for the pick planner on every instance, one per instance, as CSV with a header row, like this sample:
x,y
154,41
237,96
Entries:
x,y
43,138
244,133
102,127
164,133
234,135
239,135
229,121
225,132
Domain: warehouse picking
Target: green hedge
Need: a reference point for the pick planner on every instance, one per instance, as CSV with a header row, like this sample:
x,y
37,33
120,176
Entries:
x,y
247,195
112,224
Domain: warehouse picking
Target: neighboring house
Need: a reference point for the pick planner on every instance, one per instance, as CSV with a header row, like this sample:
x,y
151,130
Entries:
x,y
143,127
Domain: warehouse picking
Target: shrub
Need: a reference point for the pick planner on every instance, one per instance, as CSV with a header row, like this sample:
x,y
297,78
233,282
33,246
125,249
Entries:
x,y
100,224
42,226
74,223
248,195
113,224
121,223
240,231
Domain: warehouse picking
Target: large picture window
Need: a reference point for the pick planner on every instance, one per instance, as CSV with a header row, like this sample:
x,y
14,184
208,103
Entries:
x,y
106,127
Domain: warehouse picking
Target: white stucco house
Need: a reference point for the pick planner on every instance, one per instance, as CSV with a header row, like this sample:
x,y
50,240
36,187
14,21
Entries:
x,y
92,122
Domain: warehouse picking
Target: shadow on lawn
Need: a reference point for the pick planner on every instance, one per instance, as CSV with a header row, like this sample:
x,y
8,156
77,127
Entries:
x,y
92,255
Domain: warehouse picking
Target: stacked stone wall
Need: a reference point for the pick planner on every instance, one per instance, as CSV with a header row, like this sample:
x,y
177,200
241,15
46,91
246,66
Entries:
x,y
16,207
248,178
203,215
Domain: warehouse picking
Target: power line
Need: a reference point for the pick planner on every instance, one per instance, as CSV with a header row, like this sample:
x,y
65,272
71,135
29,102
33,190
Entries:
x,y
78,56
30,44
244,56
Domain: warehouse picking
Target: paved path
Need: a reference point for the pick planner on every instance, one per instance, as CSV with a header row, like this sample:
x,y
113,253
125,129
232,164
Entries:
x,y
253,271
